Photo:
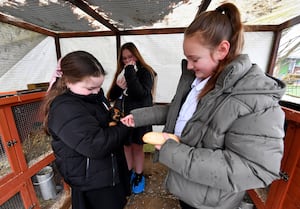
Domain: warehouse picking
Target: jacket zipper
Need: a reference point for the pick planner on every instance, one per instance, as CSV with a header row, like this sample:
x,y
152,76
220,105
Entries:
x,y
113,169
87,167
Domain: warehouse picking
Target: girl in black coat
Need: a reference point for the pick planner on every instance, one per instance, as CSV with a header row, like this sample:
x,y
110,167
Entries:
x,y
132,88
88,152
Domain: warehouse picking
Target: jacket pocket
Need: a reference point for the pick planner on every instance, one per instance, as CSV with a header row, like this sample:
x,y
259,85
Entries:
x,y
194,194
74,170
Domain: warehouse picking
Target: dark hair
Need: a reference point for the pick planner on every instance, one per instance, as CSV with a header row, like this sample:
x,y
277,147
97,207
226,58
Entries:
x,y
120,65
211,28
75,66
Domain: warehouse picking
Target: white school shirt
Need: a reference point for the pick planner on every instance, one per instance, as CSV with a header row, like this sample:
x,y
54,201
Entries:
x,y
189,106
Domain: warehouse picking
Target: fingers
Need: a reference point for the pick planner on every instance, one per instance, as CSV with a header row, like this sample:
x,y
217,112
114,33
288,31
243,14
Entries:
x,y
128,121
170,136
165,135
122,83
130,63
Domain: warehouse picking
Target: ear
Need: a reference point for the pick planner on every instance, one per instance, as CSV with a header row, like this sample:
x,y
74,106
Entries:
x,y
222,50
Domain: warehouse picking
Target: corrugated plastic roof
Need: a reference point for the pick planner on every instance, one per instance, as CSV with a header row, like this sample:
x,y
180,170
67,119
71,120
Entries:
x,y
103,15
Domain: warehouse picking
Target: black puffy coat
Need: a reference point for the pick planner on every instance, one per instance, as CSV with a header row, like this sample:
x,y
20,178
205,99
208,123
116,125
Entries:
x,y
138,94
89,154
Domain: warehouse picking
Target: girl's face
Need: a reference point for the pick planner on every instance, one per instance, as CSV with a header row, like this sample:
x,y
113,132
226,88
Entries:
x,y
89,85
200,59
128,57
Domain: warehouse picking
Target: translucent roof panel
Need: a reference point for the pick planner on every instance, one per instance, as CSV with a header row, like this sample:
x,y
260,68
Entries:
x,y
103,15
55,15
144,14
264,12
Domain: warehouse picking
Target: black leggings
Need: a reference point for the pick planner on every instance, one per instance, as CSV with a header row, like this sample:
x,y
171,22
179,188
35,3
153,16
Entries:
x,y
183,205
105,198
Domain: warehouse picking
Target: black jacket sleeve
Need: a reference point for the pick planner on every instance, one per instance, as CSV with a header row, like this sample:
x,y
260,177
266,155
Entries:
x,y
71,123
139,83
115,92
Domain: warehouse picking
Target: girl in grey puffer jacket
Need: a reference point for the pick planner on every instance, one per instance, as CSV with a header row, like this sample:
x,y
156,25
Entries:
x,y
226,114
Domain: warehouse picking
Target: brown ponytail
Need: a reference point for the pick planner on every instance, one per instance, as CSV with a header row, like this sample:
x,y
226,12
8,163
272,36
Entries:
x,y
211,28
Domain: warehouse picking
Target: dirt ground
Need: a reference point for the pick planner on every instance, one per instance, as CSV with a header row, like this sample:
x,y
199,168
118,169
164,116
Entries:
x,y
154,196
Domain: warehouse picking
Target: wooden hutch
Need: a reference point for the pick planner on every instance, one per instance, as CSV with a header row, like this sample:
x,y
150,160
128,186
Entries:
x,y
284,193
24,150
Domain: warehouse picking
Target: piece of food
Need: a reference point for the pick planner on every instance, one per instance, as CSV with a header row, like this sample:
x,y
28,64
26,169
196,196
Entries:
x,y
157,138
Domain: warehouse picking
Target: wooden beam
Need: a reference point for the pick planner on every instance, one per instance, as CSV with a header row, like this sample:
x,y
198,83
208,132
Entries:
x,y
255,28
57,47
25,25
125,32
203,6
274,52
152,31
85,34
118,45
289,23
248,28
90,11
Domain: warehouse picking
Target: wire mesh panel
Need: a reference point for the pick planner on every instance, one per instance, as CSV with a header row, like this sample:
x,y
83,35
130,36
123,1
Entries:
x,y
28,120
293,90
4,164
13,203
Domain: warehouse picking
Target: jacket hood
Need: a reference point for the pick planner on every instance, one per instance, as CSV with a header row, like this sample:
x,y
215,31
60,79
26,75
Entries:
x,y
254,79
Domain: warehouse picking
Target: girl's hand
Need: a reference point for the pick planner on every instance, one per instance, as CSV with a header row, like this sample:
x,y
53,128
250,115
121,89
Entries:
x,y
158,138
166,136
128,120
132,62
121,82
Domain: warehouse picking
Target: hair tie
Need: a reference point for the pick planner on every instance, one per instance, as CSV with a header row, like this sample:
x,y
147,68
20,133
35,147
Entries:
x,y
220,10
57,74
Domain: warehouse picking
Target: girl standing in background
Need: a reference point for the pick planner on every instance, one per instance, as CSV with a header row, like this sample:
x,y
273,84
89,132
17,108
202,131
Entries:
x,y
132,88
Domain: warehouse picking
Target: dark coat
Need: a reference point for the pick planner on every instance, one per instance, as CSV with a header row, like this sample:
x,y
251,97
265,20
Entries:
x,y
89,154
138,94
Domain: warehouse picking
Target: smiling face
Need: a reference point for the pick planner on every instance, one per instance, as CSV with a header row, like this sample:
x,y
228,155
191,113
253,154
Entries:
x,y
201,59
89,85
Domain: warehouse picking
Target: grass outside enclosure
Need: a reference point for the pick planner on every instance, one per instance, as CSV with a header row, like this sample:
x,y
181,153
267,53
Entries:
x,y
293,90
149,148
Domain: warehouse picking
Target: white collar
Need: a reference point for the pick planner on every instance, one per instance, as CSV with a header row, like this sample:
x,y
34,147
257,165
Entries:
x,y
199,83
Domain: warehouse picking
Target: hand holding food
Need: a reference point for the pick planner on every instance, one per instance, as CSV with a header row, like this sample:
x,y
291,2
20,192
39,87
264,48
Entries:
x,y
158,137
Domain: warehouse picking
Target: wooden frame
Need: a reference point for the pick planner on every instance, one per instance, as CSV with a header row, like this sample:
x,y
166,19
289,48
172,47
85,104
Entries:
x,y
18,180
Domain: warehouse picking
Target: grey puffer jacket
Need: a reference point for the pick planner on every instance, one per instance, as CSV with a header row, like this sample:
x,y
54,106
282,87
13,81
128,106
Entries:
x,y
232,143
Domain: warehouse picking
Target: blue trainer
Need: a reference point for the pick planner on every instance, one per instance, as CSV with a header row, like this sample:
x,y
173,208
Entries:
x,y
132,176
138,185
